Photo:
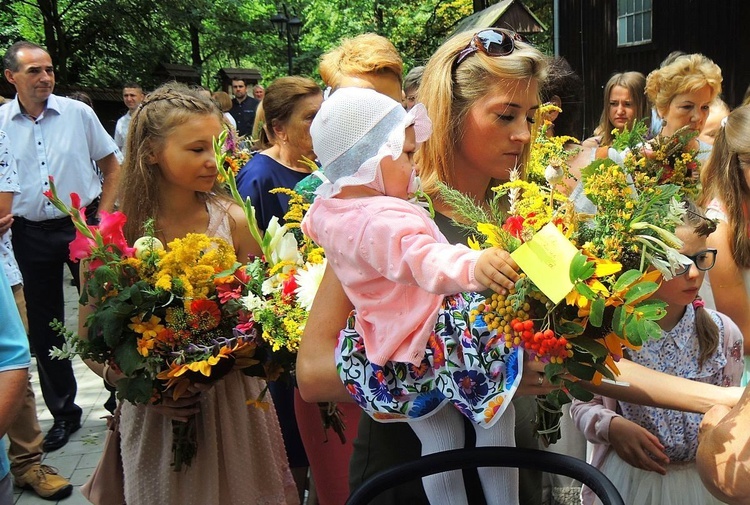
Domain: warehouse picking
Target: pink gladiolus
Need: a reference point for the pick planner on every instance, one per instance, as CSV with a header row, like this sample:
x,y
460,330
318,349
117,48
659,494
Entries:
x,y
81,247
75,200
110,226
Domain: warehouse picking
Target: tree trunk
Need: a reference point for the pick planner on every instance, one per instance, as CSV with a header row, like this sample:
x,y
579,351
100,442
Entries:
x,y
55,38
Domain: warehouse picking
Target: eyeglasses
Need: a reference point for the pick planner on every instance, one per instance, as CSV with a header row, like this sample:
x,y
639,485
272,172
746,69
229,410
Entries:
x,y
492,42
703,261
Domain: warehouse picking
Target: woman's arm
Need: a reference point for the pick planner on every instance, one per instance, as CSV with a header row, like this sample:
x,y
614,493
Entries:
x,y
723,458
728,284
656,389
317,378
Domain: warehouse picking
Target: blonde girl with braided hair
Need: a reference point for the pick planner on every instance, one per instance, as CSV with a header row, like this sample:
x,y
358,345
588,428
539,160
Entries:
x,y
169,174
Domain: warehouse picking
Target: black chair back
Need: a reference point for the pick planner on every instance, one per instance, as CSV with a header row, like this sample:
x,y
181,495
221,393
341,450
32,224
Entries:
x,y
488,456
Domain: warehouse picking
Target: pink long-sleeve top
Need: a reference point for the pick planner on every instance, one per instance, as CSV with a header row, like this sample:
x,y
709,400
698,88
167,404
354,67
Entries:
x,y
395,266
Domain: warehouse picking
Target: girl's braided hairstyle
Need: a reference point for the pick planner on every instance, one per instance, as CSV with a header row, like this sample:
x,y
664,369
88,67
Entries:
x,y
166,108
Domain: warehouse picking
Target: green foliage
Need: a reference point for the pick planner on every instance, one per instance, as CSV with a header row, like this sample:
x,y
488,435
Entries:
x,y
106,42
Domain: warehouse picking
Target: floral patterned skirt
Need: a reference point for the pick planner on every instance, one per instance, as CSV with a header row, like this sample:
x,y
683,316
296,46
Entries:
x,y
465,364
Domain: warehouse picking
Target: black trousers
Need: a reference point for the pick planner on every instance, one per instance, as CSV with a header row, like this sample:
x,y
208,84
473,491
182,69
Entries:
x,y
41,249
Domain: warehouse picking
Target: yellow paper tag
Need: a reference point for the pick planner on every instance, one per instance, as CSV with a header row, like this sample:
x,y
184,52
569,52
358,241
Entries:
x,y
546,260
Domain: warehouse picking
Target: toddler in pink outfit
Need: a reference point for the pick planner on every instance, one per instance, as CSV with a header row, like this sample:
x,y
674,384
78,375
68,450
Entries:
x,y
409,352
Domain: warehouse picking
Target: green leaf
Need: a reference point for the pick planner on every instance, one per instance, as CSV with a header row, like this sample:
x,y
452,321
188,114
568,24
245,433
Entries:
x,y
618,321
137,389
581,268
648,330
632,332
552,370
583,372
597,312
128,358
586,291
626,279
590,346
569,328
640,290
577,392
651,309
602,369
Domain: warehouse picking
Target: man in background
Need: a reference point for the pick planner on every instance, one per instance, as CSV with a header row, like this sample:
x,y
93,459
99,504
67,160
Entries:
x,y
243,108
52,136
132,96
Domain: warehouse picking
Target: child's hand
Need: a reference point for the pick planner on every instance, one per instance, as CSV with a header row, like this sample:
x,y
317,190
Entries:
x,y
637,446
496,270
181,409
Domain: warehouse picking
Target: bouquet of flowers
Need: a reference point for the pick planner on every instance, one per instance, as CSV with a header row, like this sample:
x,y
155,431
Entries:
x,y
166,319
586,282
288,275
660,160
236,152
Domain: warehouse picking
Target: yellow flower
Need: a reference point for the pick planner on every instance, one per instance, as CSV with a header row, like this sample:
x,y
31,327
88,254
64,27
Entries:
x,y
149,328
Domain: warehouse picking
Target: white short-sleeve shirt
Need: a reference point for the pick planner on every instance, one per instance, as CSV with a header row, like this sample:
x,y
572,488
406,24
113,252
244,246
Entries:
x,y
62,142
8,184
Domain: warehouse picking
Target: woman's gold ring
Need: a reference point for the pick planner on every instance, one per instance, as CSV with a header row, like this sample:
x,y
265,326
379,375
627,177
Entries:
x,y
541,379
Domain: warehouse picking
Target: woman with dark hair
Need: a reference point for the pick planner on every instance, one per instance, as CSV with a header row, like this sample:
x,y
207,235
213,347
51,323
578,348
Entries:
x,y
289,106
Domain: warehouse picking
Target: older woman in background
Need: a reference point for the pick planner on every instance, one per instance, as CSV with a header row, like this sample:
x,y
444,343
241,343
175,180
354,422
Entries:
x,y
682,92
289,106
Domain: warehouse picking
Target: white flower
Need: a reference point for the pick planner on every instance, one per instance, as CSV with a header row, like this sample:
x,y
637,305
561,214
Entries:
x,y
553,174
144,246
282,246
253,303
308,281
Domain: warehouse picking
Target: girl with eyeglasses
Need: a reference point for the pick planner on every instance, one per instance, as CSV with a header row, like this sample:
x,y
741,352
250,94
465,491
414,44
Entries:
x,y
726,196
649,453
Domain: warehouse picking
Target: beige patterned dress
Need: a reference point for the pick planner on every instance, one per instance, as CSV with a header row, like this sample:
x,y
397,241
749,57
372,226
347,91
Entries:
x,y
241,458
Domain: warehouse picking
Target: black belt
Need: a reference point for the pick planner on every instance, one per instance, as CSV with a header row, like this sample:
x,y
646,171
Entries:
x,y
59,223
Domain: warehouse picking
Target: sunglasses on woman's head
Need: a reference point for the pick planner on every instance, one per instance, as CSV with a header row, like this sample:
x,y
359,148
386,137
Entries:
x,y
492,42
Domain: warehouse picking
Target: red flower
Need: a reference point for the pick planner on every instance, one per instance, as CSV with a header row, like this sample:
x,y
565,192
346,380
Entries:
x,y
288,287
206,314
81,247
514,225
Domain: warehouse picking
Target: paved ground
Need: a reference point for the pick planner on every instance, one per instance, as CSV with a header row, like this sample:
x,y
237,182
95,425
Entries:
x,y
79,457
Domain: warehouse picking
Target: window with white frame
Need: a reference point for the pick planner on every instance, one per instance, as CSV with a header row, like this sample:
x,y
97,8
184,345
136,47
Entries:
x,y
633,22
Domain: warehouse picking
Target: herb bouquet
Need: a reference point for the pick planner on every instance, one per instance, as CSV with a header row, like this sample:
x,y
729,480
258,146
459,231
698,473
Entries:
x,y
585,289
166,319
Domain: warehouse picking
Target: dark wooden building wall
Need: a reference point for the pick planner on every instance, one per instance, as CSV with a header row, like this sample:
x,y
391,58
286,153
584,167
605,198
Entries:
x,y
720,29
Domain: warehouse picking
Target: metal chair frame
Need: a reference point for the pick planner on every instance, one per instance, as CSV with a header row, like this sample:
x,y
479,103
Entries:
x,y
513,457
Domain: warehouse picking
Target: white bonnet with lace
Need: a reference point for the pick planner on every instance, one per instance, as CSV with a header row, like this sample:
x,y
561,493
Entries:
x,y
354,129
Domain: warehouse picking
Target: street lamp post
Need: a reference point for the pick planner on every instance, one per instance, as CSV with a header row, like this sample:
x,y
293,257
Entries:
x,y
287,27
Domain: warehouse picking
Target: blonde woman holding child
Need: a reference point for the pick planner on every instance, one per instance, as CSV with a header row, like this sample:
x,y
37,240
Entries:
x,y
169,174
409,353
